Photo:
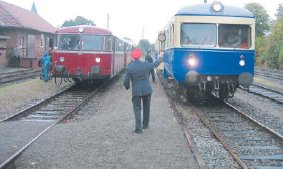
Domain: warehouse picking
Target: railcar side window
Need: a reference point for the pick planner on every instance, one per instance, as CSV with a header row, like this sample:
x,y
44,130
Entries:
x,y
91,43
108,43
198,34
234,36
69,42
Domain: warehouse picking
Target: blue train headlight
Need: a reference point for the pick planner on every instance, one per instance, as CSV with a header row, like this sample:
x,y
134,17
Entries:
x,y
192,61
242,63
217,6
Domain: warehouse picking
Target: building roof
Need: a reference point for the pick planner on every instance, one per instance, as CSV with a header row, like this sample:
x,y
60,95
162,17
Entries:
x,y
14,16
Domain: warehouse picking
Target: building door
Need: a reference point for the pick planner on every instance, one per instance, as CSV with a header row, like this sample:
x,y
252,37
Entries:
x,y
31,46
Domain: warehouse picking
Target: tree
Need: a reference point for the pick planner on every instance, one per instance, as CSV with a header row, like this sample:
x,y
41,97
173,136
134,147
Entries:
x,y
144,45
260,47
78,21
274,53
279,11
262,18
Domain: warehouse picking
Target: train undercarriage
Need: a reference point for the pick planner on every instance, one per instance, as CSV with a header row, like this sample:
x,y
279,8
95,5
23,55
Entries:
x,y
204,90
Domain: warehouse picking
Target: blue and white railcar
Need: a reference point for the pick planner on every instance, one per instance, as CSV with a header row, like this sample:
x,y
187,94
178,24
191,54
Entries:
x,y
209,48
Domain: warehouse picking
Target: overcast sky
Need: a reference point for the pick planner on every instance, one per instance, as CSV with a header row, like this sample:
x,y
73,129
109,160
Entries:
x,y
135,19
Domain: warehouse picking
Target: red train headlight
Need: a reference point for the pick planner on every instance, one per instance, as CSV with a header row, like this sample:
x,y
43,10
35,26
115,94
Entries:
x,y
192,61
98,60
62,59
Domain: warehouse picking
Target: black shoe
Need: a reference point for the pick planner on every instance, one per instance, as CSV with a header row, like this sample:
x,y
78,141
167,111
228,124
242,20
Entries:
x,y
137,131
145,126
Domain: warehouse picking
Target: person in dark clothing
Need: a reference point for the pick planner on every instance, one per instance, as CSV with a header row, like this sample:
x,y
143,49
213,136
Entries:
x,y
149,59
138,73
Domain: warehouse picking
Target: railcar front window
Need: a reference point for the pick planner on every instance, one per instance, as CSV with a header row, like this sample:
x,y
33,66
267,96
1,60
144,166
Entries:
x,y
234,36
68,42
91,43
195,34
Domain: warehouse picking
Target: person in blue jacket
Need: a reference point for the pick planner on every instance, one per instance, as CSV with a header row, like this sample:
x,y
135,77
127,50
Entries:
x,y
45,63
138,73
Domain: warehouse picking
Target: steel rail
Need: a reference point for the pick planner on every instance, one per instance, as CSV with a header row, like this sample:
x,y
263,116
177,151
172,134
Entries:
x,y
34,107
220,139
269,130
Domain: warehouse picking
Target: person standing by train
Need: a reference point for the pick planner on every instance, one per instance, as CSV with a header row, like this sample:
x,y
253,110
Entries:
x,y
149,59
138,73
45,63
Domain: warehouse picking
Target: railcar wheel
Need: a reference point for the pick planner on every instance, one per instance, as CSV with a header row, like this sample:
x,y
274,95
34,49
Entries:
x,y
223,91
165,73
76,80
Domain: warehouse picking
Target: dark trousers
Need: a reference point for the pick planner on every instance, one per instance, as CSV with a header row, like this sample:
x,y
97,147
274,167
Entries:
x,y
152,74
137,110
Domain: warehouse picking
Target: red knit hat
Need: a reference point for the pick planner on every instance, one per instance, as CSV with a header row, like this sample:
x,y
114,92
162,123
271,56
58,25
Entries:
x,y
136,53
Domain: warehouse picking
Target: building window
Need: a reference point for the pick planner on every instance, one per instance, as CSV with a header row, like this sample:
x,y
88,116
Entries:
x,y
22,41
42,40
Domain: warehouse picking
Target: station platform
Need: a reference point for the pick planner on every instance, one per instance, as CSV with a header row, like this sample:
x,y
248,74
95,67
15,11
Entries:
x,y
101,136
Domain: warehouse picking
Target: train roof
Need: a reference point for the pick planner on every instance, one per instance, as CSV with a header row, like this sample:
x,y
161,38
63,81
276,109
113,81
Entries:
x,y
84,29
207,10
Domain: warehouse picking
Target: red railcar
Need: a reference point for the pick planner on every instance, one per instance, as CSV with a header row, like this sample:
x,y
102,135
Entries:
x,y
88,53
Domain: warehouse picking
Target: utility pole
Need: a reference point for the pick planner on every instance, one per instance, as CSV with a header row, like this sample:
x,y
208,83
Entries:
x,y
142,33
107,20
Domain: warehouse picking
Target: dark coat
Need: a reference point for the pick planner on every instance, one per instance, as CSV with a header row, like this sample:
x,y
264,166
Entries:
x,y
148,58
138,73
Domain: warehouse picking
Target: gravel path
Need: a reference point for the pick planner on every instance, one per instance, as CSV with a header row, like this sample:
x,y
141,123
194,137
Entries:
x,y
101,136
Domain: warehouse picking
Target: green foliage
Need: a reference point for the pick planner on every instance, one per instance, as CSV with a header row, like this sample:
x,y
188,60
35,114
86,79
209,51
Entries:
x,y
144,45
260,47
78,21
275,45
279,11
281,58
262,18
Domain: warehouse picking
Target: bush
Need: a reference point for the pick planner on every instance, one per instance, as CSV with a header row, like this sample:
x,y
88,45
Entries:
x,y
260,47
280,59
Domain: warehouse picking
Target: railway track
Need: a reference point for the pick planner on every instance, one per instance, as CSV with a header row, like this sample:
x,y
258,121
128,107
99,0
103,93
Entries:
x,y
23,128
12,77
271,94
251,144
269,73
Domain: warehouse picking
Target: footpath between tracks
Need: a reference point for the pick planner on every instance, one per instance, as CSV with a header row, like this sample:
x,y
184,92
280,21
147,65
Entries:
x,y
101,136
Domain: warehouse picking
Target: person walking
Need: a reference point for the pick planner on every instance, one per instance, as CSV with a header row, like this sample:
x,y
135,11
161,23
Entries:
x,y
149,59
138,73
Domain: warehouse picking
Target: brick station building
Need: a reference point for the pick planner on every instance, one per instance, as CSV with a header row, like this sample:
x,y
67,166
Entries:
x,y
25,36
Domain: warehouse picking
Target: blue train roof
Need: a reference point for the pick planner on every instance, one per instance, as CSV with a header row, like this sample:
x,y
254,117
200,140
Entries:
x,y
206,10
